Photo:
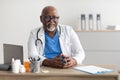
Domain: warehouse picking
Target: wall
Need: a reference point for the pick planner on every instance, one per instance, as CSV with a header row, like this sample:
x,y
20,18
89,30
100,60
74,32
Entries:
x,y
18,17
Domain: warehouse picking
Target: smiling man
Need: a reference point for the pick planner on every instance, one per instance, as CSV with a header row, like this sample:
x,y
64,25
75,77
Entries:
x,y
57,45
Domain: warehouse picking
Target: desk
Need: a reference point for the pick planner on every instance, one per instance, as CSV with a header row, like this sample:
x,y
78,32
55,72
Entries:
x,y
60,74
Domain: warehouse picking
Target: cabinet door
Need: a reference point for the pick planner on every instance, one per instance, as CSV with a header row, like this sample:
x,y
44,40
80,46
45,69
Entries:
x,y
100,41
101,47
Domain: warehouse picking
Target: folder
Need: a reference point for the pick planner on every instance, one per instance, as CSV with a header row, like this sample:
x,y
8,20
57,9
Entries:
x,y
93,69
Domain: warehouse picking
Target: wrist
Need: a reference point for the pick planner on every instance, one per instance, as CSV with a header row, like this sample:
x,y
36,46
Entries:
x,y
46,62
75,62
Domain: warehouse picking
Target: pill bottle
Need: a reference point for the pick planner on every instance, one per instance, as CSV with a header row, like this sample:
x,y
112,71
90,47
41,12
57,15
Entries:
x,y
27,65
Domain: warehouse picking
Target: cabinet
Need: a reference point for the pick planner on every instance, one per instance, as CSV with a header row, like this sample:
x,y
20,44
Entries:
x,y
101,47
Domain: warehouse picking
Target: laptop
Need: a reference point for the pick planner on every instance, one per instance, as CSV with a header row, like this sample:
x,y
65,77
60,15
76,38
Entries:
x,y
12,51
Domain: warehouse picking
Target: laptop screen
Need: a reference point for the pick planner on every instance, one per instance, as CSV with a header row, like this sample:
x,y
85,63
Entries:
x,y
12,51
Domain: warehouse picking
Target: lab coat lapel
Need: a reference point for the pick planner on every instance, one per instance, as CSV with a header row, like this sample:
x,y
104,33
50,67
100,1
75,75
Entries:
x,y
61,39
41,36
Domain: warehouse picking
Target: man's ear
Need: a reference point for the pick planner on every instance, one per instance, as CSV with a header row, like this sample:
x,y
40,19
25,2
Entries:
x,y
41,19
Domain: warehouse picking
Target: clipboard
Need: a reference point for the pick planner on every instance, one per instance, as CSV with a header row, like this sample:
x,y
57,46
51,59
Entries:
x,y
93,69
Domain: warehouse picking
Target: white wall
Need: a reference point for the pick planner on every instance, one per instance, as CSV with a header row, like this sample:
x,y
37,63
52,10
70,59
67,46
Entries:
x,y
18,17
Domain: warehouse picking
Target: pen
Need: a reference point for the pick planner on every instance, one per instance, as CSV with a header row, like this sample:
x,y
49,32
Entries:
x,y
38,58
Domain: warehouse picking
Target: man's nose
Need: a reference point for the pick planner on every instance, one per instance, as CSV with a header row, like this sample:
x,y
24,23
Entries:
x,y
51,20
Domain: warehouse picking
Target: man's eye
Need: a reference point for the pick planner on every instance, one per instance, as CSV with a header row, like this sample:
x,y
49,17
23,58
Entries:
x,y
47,18
55,18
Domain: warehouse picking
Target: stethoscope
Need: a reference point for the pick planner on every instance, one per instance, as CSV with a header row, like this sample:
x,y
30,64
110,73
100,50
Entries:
x,y
39,40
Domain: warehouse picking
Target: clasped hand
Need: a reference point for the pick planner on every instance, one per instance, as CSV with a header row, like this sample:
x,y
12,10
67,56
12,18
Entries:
x,y
60,61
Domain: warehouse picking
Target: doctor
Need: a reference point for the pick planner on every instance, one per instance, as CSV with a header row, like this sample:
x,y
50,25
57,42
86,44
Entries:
x,y
57,45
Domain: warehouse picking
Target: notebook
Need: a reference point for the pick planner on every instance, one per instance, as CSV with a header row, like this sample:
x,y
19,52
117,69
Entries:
x,y
93,69
12,51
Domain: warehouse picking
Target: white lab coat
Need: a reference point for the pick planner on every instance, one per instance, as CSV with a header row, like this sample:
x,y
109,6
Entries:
x,y
69,42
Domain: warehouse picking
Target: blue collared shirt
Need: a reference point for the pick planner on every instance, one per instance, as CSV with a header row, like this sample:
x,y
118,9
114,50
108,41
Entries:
x,y
52,46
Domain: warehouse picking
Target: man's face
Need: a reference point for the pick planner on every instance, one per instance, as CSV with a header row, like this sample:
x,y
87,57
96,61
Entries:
x,y
50,20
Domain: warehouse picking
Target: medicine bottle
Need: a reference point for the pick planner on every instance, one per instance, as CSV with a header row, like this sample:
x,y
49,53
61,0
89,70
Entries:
x,y
83,22
27,65
98,22
91,26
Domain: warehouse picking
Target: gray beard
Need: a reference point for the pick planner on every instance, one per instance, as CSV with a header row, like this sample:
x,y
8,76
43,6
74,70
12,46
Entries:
x,y
51,28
